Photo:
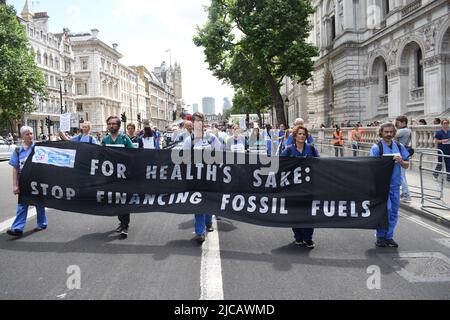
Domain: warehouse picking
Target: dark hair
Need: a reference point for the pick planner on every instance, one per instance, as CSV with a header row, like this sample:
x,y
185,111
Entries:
x,y
422,121
198,116
114,117
402,119
437,120
386,125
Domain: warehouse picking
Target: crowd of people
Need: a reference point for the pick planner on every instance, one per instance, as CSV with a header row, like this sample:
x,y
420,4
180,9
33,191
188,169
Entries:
x,y
395,139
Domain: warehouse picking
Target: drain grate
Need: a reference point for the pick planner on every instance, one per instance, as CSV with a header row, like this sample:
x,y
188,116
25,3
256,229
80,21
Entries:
x,y
420,267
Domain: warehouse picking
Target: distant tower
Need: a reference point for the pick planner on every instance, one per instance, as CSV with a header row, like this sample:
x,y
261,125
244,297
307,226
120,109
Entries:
x,y
178,86
26,12
195,108
209,105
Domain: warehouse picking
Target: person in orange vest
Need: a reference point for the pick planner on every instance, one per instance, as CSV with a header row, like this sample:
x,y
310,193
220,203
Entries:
x,y
338,141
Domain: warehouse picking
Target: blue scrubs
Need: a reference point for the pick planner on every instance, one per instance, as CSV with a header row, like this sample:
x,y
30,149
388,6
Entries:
x,y
19,223
394,191
301,234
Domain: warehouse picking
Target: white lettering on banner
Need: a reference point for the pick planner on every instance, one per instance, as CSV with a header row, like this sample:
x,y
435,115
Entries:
x,y
56,192
193,172
329,208
108,169
162,200
239,203
271,179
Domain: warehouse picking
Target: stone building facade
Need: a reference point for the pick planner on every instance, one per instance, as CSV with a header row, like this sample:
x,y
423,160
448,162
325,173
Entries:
x,y
378,59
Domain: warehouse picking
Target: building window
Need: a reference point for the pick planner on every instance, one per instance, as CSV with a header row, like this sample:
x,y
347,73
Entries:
x,y
333,28
386,7
57,63
79,107
419,59
386,83
84,63
82,89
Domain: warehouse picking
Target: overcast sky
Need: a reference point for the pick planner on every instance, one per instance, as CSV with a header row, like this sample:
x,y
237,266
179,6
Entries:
x,y
144,30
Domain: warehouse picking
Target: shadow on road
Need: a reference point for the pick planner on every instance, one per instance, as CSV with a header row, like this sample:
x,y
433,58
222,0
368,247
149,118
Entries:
x,y
282,258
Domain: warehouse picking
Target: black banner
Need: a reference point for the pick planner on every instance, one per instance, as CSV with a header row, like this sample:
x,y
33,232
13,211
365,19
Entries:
x,y
297,192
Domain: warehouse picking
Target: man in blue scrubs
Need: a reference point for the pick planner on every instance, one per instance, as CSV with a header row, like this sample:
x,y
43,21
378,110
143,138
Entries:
x,y
385,238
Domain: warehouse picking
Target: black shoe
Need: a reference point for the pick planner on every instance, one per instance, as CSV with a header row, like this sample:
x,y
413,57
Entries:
x,y
310,244
391,243
209,228
14,233
124,233
200,239
38,229
119,228
381,243
299,242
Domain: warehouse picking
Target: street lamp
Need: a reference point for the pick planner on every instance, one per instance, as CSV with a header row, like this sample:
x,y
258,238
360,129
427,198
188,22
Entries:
x,y
61,94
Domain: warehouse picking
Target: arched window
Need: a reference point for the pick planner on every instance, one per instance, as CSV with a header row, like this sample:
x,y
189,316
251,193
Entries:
x,y
39,57
419,68
51,61
57,63
45,59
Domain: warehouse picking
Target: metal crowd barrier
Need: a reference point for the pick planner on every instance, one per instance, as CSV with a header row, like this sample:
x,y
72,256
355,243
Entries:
x,y
438,197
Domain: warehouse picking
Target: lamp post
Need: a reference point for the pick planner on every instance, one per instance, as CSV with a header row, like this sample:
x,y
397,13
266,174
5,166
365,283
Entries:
x,y
61,94
287,111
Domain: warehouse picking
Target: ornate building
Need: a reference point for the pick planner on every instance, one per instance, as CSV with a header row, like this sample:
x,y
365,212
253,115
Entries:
x,y
54,56
378,59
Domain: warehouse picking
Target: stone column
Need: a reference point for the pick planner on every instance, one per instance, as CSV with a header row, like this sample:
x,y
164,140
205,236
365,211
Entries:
x,y
435,85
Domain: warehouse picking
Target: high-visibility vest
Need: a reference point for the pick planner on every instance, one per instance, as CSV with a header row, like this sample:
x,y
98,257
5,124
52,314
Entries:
x,y
337,138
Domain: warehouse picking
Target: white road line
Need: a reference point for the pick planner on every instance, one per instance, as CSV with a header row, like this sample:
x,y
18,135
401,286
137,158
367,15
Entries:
x,y
7,224
211,267
426,225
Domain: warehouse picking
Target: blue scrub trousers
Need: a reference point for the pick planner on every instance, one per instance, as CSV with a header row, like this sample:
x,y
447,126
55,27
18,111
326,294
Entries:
x,y
303,234
393,207
21,217
201,221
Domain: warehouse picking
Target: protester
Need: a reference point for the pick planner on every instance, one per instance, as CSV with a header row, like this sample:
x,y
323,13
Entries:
x,y
404,137
437,121
157,137
356,139
338,141
85,135
149,138
303,236
237,142
198,141
117,139
387,131
299,122
18,159
131,133
442,138
422,122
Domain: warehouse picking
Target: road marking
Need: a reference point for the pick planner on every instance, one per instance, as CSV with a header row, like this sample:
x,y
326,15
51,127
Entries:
x,y
7,224
426,225
211,267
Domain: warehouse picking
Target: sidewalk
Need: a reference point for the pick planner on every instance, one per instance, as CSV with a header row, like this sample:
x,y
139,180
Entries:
x,y
430,210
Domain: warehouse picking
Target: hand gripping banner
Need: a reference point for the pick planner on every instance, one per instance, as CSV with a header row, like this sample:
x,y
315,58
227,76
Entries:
x,y
285,192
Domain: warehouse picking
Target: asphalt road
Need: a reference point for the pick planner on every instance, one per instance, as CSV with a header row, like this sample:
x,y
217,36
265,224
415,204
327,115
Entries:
x,y
160,260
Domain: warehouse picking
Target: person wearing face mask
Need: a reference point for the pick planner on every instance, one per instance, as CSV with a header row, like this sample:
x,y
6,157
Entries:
x,y
198,140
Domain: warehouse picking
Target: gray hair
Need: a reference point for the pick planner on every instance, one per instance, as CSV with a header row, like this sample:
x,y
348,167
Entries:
x,y
299,121
25,129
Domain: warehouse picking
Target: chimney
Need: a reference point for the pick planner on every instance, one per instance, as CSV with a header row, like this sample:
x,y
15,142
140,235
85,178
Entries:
x,y
115,45
94,33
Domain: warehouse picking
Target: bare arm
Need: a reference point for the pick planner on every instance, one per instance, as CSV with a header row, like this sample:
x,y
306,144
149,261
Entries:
x,y
15,181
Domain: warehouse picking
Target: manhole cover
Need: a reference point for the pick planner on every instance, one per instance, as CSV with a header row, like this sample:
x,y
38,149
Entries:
x,y
420,267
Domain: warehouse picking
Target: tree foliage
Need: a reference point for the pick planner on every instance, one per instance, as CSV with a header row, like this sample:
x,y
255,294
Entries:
x,y
20,78
245,41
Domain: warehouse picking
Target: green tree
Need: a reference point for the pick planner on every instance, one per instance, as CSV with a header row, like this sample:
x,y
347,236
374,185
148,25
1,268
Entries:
x,y
258,38
20,79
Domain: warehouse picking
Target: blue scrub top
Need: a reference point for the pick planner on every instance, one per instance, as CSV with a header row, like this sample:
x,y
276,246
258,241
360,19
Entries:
x,y
308,151
442,135
396,180
18,162
84,139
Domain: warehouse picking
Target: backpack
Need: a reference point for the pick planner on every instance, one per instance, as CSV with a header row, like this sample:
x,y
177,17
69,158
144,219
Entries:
x,y
380,147
81,136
